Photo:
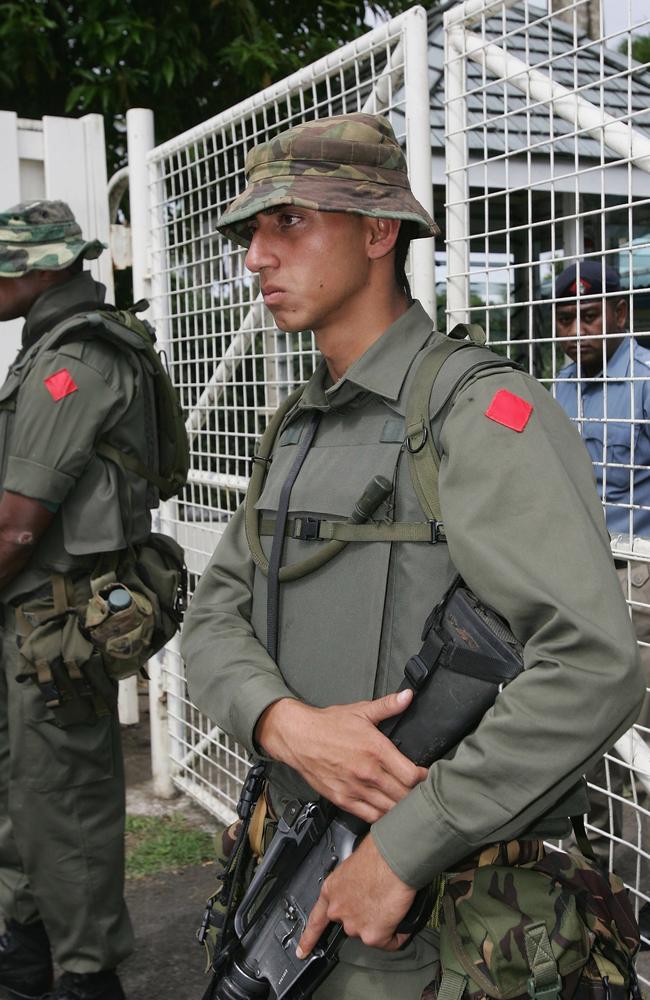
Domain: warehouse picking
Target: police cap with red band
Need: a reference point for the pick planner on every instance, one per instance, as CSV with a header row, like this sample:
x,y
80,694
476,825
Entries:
x,y
589,278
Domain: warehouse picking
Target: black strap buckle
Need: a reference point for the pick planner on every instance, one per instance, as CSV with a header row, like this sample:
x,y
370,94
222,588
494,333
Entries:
x,y
416,672
307,529
251,791
258,460
438,533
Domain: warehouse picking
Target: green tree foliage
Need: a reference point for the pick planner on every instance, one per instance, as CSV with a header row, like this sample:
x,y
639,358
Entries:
x,y
640,45
186,59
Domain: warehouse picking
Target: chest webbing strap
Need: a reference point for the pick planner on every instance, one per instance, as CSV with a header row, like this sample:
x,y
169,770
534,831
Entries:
x,y
423,458
309,529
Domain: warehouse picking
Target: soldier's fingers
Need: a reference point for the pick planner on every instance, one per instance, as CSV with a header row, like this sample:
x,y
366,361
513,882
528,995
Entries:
x,y
316,924
395,942
401,768
391,704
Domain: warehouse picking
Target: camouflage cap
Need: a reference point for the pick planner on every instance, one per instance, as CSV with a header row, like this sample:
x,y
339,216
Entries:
x,y
41,236
348,163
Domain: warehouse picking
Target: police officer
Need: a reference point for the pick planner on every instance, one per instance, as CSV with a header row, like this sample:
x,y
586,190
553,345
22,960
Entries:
x,y
61,782
327,217
591,318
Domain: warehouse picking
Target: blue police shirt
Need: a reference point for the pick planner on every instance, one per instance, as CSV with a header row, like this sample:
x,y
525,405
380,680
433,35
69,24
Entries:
x,y
611,412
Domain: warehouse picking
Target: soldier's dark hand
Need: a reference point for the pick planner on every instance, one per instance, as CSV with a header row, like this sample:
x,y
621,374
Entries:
x,y
341,753
364,895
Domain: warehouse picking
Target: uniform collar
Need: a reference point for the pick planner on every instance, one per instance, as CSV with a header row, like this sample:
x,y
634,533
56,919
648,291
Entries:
x,y
80,293
381,370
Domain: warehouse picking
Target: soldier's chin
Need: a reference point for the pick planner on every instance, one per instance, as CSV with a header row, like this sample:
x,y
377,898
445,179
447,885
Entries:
x,y
287,324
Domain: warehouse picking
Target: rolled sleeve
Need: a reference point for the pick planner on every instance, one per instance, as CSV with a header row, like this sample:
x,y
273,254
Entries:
x,y
526,532
230,675
31,479
57,424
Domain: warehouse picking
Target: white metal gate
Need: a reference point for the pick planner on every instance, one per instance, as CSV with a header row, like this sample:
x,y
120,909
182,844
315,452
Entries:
x,y
548,162
231,365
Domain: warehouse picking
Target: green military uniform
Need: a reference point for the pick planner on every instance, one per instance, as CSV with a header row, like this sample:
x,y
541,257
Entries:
x,y
524,528
62,789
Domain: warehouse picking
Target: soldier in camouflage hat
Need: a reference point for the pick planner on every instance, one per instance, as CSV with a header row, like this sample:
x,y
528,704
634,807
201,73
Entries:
x,y
61,507
41,236
304,674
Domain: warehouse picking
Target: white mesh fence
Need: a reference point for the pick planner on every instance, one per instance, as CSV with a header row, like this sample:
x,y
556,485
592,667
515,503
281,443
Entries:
x,y
548,143
230,363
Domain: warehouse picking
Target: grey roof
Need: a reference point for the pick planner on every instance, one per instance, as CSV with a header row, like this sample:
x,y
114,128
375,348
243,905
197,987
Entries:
x,y
625,92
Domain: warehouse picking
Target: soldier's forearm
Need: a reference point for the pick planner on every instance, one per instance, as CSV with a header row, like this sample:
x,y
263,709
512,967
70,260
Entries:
x,y
22,522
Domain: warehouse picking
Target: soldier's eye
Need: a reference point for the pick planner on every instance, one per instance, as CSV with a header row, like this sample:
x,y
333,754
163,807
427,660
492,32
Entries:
x,y
289,218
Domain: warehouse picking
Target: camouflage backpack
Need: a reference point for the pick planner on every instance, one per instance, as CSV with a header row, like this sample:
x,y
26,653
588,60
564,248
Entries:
x,y
552,929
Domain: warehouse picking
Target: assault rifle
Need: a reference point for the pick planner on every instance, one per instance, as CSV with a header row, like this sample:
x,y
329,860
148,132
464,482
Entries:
x,y
467,655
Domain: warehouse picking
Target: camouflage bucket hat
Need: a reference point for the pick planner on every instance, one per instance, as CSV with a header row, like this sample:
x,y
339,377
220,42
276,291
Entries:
x,y
347,163
41,236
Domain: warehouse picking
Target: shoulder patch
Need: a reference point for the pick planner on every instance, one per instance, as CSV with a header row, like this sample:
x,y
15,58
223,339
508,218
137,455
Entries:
x,y
60,384
510,410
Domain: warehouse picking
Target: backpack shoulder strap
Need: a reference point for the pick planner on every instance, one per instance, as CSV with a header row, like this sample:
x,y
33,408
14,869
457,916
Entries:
x,y
442,372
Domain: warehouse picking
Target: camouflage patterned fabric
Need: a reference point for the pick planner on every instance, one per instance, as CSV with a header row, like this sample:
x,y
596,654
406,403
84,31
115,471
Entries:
x,y
347,163
491,914
41,236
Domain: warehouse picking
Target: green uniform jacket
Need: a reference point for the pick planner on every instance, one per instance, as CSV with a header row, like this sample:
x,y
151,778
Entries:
x,y
50,420
525,529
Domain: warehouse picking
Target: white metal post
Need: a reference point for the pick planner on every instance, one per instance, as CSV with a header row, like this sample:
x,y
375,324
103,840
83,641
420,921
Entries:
x,y
457,183
140,139
165,684
139,132
11,195
418,144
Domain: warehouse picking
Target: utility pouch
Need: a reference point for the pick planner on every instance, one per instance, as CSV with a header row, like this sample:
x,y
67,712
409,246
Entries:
x,y
62,663
468,654
552,929
123,637
155,577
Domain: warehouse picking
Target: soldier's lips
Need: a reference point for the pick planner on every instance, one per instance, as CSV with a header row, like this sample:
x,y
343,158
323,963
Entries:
x,y
272,295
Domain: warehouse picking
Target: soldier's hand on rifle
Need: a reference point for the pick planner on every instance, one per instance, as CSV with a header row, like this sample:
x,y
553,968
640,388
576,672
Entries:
x,y
340,752
366,896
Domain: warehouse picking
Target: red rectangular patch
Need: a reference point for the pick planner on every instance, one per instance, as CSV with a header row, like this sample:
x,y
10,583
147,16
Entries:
x,y
510,410
60,384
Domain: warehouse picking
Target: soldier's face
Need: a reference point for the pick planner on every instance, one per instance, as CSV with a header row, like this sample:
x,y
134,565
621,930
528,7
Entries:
x,y
583,331
18,295
312,265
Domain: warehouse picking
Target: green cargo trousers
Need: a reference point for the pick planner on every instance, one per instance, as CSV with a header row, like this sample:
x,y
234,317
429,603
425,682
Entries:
x,y
61,824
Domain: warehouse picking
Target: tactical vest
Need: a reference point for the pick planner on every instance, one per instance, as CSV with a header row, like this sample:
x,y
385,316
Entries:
x,y
349,620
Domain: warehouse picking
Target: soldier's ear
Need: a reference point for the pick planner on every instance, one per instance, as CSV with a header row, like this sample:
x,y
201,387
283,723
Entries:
x,y
382,235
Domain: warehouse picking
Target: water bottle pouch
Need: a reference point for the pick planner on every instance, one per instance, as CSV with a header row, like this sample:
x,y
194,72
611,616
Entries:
x,y
123,635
